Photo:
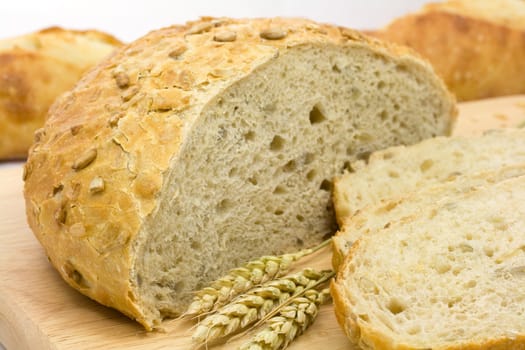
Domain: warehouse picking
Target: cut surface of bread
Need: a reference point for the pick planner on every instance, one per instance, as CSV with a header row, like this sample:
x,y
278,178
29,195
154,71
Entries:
x,y
34,70
407,205
395,171
449,278
201,146
477,46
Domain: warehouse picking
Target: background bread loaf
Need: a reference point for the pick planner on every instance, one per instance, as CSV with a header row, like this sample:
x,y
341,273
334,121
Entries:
x,y
34,70
198,147
477,46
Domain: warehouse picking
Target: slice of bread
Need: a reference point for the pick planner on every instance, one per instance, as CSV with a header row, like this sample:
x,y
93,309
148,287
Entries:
x,y
407,205
393,172
477,46
34,70
201,146
449,278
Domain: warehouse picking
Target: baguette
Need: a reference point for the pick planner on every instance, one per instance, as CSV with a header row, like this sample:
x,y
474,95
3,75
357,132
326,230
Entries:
x,y
476,46
34,70
199,147
451,277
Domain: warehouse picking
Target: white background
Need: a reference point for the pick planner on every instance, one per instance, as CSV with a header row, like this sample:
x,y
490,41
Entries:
x,y
133,18
130,19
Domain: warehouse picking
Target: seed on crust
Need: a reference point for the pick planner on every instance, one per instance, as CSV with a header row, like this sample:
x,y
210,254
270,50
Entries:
x,y
177,52
96,185
273,33
225,36
84,160
122,80
200,28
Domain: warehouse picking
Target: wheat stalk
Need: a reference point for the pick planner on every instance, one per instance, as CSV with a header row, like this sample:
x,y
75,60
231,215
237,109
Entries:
x,y
247,308
290,322
242,279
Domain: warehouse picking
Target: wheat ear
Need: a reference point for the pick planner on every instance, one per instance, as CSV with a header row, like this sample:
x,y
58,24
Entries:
x,y
242,279
290,322
247,308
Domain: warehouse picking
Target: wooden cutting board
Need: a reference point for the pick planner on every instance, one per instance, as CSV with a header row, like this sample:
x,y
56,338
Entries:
x,y
39,311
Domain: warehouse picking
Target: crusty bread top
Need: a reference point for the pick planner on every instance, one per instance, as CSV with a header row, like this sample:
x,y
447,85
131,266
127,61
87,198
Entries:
x,y
118,131
34,70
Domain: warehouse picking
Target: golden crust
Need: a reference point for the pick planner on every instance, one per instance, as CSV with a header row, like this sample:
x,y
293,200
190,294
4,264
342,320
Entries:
x,y
122,125
477,55
34,70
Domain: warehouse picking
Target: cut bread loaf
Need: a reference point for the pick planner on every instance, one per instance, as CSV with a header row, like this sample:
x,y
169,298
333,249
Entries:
x,y
449,278
199,147
408,205
477,46
34,70
393,172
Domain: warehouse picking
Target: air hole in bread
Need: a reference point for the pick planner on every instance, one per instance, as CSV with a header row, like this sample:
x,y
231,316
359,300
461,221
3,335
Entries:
x,y
253,180
308,158
426,164
363,156
224,205
471,284
393,174
299,218
249,136
356,93
326,185
233,171
316,116
383,115
489,251
196,245
290,166
335,68
279,190
381,85
310,176
396,306
277,143
414,329
349,151
278,212
365,137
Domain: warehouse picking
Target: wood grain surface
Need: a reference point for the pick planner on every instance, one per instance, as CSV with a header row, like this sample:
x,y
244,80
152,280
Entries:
x,y
39,311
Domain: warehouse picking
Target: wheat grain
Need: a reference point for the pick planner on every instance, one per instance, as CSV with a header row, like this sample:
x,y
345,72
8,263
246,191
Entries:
x,y
290,322
241,279
256,304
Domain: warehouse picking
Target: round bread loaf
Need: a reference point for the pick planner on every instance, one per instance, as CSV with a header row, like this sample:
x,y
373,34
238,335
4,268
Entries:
x,y
34,70
198,147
